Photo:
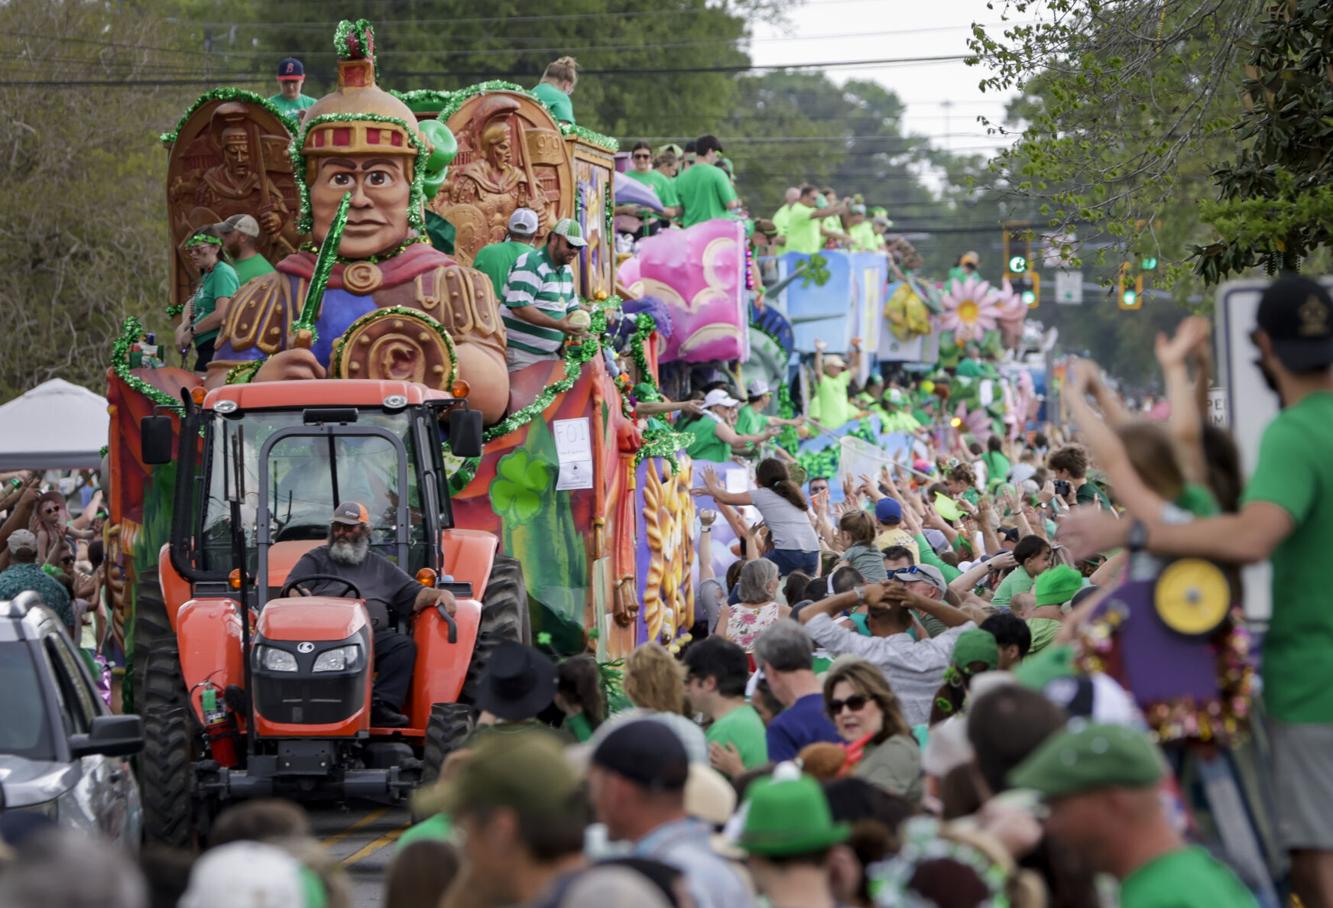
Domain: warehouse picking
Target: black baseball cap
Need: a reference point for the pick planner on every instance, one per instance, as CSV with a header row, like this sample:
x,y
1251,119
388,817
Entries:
x,y
290,68
1297,315
647,752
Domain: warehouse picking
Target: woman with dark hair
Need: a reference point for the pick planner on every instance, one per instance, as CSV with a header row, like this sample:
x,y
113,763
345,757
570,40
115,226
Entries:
x,y
879,744
786,513
1033,555
578,693
974,652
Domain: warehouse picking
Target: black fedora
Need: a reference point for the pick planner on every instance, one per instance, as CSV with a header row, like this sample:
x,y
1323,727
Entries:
x,y
518,683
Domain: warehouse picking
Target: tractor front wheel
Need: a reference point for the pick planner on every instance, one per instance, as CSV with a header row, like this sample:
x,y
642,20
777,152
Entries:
x,y
164,764
504,616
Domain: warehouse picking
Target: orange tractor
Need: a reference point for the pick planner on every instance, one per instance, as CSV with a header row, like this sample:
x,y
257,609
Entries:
x,y
249,689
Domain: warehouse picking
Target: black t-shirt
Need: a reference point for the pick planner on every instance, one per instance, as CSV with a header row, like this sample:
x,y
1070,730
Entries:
x,y
382,583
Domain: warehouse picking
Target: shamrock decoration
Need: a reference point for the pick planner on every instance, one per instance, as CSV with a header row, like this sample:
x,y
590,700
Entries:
x,y
544,639
520,482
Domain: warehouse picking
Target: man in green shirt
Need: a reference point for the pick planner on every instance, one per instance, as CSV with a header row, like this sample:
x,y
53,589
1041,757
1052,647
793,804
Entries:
x,y
716,671
1070,464
782,216
207,309
712,437
497,260
804,227
830,407
705,191
751,420
1286,516
556,86
861,232
289,100
1101,784
240,240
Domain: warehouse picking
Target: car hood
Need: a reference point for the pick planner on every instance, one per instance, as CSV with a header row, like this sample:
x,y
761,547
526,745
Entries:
x,y
27,782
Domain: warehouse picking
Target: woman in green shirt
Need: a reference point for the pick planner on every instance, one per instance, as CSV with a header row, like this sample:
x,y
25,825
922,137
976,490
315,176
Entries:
x,y
556,86
578,693
1033,555
712,435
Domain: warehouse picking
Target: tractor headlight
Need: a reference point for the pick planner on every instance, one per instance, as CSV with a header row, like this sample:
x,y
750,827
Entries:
x,y
276,660
340,659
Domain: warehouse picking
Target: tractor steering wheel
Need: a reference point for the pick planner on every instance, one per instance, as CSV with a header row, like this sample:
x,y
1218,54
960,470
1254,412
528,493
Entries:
x,y
347,585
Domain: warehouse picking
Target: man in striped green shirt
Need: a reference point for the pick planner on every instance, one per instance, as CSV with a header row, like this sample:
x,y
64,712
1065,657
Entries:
x,y
539,296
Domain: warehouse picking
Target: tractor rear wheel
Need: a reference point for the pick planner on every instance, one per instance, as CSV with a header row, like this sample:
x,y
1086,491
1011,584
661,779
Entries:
x,y
448,728
504,616
164,764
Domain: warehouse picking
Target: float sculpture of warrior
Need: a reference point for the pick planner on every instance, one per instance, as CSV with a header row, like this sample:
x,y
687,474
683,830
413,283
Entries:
x,y
394,307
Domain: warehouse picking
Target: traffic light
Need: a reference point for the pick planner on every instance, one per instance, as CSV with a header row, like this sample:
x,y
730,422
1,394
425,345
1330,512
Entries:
x,y
1019,266
1129,296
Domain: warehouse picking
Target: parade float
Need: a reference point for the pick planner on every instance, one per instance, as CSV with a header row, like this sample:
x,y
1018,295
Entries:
x,y
572,527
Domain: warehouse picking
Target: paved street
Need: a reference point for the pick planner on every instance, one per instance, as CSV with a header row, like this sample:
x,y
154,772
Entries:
x,y
363,836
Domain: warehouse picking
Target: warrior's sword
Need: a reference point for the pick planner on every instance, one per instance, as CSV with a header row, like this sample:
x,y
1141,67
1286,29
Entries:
x,y
303,330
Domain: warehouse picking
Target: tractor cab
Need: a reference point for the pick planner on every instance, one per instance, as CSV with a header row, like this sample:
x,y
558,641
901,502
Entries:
x,y
278,680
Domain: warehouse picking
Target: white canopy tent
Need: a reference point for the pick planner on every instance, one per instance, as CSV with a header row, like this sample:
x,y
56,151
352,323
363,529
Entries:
x,y
55,426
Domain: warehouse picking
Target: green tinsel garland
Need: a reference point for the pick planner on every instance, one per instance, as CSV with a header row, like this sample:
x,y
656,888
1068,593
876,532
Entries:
x,y
244,373
364,33
789,439
416,200
587,135
425,97
319,279
609,212
228,94
175,309
131,330
103,451
663,443
574,356
464,475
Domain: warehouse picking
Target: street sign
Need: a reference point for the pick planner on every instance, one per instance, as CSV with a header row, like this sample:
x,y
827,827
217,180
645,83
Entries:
x,y
1069,287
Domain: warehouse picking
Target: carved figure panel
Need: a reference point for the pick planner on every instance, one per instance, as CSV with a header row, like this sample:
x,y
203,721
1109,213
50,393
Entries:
x,y
594,273
230,158
510,155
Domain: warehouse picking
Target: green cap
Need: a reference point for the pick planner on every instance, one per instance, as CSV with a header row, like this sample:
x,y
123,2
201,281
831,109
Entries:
x,y
1090,757
526,770
571,231
976,645
789,816
1057,585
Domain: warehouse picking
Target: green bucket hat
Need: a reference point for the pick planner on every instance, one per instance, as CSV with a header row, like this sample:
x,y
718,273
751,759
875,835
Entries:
x,y
789,816
975,645
1088,758
1052,663
1058,585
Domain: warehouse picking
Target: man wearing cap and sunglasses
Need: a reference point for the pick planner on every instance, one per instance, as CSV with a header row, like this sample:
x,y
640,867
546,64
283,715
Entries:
x,y
1286,517
497,259
240,240
915,668
388,591
713,436
539,298
289,99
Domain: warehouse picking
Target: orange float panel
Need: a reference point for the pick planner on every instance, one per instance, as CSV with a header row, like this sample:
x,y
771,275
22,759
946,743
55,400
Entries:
x,y
441,665
312,618
468,556
317,393
175,588
208,632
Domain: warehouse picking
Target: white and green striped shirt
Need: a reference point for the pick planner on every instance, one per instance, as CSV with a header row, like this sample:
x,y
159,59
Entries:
x,y
533,282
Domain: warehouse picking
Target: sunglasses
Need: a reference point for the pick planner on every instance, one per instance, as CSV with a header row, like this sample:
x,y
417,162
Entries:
x,y
642,157
856,703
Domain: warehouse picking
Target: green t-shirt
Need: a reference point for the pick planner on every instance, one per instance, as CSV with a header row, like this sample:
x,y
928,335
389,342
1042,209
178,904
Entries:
x,y
1197,500
1295,473
864,238
556,100
997,466
497,260
436,829
251,268
578,726
219,283
803,230
831,407
1015,582
743,728
1089,492
928,556
292,108
704,191
659,183
704,444
1187,878
750,421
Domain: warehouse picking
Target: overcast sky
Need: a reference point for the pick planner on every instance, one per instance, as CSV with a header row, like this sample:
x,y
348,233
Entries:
x,y
848,30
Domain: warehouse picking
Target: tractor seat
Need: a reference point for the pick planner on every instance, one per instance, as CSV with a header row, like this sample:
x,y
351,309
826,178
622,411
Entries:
x,y
282,557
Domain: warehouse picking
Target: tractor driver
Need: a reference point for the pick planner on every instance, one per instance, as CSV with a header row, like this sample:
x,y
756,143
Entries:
x,y
387,590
